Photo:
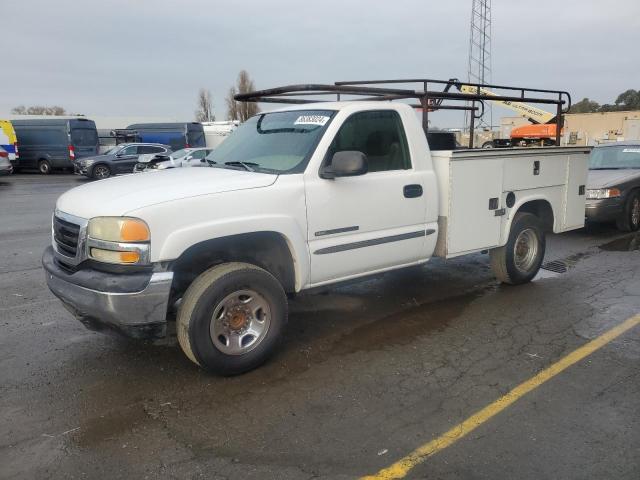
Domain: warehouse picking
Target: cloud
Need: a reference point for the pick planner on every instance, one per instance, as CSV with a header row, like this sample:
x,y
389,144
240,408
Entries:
x,y
150,58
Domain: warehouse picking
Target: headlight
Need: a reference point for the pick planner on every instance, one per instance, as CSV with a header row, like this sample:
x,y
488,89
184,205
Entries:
x,y
161,166
601,193
88,163
122,240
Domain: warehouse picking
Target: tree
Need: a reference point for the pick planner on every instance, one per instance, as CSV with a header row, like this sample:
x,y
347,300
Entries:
x,y
53,110
205,112
585,106
629,100
241,110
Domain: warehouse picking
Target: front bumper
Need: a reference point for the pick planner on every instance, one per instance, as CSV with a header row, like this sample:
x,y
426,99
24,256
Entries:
x,y
141,313
604,210
80,169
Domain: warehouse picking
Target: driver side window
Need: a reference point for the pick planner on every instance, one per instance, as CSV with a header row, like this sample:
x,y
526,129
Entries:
x,y
377,134
130,150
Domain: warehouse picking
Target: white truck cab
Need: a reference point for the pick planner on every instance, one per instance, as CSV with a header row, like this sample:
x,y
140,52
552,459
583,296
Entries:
x,y
309,195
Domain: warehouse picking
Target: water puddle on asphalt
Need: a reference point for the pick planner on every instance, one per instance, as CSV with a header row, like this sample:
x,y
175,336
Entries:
x,y
624,244
404,327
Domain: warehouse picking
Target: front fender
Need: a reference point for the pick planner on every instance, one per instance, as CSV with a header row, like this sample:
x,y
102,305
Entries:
x,y
181,239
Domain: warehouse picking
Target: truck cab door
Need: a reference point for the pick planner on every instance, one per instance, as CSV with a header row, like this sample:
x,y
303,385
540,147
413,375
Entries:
x,y
370,222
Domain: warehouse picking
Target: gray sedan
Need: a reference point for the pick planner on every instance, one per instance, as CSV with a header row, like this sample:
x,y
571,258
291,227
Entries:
x,y
120,159
613,189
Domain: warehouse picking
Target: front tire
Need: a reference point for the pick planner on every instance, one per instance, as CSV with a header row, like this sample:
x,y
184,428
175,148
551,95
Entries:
x,y
630,219
520,259
101,171
231,318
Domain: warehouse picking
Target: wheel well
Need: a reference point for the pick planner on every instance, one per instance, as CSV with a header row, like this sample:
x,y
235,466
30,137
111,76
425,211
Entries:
x,y
268,250
541,209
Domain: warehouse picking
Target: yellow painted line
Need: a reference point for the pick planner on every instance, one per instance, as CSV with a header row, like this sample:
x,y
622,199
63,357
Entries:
x,y
402,467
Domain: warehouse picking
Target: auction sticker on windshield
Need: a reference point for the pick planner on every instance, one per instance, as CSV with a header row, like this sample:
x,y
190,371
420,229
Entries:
x,y
311,120
631,150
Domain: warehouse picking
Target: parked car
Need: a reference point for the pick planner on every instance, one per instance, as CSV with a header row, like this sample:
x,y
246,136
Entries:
x,y
613,189
308,196
120,159
54,143
187,157
5,164
8,140
176,135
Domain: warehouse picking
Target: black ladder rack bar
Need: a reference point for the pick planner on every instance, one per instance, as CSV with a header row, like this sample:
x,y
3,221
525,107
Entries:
x,y
429,100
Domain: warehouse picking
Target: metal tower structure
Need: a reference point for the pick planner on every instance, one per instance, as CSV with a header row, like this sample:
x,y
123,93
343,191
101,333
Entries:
x,y
479,67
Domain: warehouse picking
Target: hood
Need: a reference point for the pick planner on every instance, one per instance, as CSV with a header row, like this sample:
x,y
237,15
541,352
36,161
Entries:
x,y
96,157
610,178
119,195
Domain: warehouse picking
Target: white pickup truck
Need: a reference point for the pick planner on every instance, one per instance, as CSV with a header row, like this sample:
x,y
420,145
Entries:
x,y
305,196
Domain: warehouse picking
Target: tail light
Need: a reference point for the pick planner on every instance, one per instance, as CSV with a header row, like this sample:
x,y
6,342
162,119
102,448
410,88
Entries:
x,y
15,147
187,146
72,152
4,154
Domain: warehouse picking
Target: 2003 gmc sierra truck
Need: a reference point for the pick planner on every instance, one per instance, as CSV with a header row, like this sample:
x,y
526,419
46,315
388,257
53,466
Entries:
x,y
309,195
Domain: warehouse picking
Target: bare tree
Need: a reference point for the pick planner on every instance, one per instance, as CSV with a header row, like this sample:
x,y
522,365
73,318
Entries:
x,y
53,110
241,110
205,112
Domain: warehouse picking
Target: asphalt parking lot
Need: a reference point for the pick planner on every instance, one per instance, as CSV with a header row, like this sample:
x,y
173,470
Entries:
x,y
368,373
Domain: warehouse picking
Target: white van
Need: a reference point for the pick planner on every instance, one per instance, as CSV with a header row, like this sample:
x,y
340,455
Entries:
x,y
216,132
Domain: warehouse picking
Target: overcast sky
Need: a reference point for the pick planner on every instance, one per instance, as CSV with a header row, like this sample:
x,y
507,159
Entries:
x,y
150,57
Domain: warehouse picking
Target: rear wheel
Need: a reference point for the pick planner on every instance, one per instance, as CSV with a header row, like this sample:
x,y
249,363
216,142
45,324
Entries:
x,y
519,260
101,171
231,318
630,219
44,167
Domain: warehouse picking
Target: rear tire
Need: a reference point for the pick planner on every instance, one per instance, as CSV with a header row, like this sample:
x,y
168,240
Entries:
x,y
519,260
101,171
231,318
630,219
44,167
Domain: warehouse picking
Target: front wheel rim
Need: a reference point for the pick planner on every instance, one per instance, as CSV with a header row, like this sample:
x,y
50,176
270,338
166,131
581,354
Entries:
x,y
240,322
525,250
44,167
102,172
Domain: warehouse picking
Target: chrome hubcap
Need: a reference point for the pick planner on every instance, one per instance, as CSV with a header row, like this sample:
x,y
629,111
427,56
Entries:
x,y
525,250
635,211
101,172
240,322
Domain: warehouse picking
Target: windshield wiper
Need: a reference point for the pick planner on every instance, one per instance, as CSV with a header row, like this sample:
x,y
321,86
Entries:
x,y
243,164
606,168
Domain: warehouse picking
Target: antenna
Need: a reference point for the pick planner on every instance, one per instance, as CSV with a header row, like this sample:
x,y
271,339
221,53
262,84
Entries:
x,y
479,67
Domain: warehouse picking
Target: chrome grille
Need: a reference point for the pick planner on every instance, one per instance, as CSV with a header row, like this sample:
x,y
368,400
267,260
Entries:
x,y
66,236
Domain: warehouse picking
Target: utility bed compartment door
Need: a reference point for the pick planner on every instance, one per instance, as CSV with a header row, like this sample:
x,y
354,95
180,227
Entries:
x,y
575,198
472,223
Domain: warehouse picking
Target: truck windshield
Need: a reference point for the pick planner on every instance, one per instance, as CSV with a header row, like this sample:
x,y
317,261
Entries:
x,y
618,157
279,142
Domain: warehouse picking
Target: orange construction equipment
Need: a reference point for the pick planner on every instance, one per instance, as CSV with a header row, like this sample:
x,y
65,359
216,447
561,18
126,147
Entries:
x,y
541,134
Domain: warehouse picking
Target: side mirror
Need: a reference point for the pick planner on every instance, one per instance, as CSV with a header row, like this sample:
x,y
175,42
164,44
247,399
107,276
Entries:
x,y
349,163
203,160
